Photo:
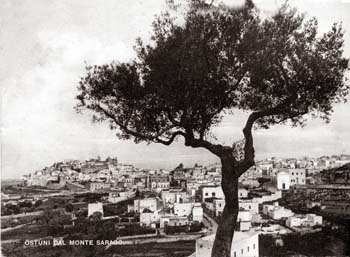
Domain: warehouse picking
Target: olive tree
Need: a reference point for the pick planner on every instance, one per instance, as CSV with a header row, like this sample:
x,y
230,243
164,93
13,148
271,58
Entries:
x,y
208,61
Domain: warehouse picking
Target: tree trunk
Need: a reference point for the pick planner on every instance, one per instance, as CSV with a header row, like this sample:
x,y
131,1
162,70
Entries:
x,y
225,231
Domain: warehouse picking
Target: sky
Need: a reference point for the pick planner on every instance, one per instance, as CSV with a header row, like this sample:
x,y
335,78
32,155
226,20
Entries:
x,y
44,47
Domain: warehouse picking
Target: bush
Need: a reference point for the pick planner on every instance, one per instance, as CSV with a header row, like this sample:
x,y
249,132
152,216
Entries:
x,y
69,207
134,229
176,229
26,203
38,203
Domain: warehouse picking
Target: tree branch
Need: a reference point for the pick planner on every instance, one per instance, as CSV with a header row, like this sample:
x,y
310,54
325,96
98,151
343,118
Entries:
x,y
190,140
171,139
249,152
155,138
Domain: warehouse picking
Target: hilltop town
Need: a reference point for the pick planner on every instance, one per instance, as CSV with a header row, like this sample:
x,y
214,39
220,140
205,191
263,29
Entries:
x,y
105,199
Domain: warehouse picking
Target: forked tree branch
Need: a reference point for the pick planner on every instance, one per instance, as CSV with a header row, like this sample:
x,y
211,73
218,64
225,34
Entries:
x,y
154,138
249,152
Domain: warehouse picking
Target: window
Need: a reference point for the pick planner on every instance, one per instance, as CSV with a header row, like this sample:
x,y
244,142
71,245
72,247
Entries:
x,y
250,207
253,246
213,194
242,251
248,249
292,173
234,254
206,194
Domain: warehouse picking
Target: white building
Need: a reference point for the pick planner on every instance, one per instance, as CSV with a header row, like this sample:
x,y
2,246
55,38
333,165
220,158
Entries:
x,y
183,209
116,197
266,167
283,180
244,216
173,220
161,185
242,193
296,221
197,212
245,226
216,191
197,171
244,244
95,186
304,220
314,219
249,205
273,196
212,191
148,203
95,207
273,229
147,217
218,206
279,213
276,212
244,220
125,168
249,182
297,176
339,163
173,196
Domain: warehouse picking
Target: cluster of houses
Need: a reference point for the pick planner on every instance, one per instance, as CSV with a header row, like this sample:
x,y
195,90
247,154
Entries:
x,y
182,195
174,207
97,174
74,171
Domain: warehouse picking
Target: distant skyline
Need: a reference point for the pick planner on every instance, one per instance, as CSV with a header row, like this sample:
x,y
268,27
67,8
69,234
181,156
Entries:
x,y
46,45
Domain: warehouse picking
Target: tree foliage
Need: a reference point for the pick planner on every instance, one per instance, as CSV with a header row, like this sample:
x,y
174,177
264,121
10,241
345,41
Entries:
x,y
213,60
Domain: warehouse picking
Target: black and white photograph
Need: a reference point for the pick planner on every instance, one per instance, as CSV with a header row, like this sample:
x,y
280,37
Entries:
x,y
175,128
